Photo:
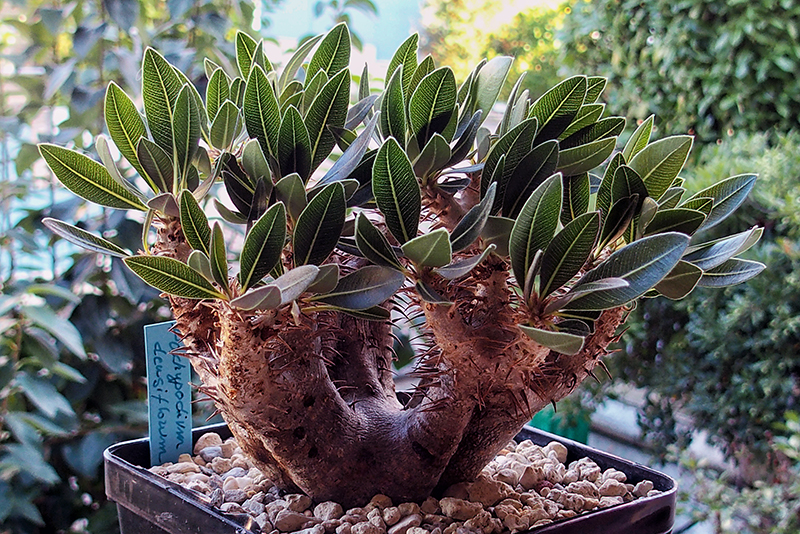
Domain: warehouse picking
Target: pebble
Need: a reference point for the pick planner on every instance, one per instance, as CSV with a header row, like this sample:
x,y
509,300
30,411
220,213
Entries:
x,y
526,486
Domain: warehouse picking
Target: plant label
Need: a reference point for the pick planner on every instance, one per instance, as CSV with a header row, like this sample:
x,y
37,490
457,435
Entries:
x,y
169,395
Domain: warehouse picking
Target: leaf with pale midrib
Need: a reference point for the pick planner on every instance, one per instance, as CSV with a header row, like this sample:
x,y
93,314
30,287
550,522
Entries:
x,y
172,277
126,127
263,246
319,226
396,191
160,89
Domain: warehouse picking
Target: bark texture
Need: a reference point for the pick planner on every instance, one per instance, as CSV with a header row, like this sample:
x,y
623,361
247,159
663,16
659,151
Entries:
x,y
311,397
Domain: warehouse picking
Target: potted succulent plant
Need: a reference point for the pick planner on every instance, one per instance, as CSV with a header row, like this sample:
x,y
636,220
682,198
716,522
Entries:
x,y
285,268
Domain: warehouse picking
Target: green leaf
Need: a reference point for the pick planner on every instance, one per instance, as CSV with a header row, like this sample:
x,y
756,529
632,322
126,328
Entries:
x,y
126,127
470,226
198,101
194,223
533,169
326,280
373,244
261,113
680,281
425,67
594,88
464,144
561,342
432,105
311,90
710,255
365,288
245,50
328,110
429,295
296,61
104,152
576,197
681,220
603,202
199,262
639,139
218,256
497,232
732,272
728,195
671,198
263,246
262,298
166,204
514,101
229,215
218,91
291,191
602,129
396,191
60,328
433,158
557,304
84,239
295,282
586,157
172,277
294,146
319,226
349,161
157,164
703,204
333,54
463,267
226,126
406,57
359,112
489,82
535,226
556,109
88,179
643,264
185,129
587,115
254,163
430,250
568,252
525,130
659,163
160,89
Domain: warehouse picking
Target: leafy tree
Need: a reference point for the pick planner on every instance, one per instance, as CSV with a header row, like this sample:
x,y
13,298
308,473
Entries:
x,y
521,263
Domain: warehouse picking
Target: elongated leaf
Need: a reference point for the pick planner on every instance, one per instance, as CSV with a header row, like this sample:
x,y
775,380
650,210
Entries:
x,y
291,191
681,220
595,87
659,163
160,89
218,256
516,154
470,226
561,342
680,281
433,158
538,165
328,110
104,152
671,198
429,295
396,191
365,288
556,109
602,129
165,203
576,197
568,251
254,163
489,82
430,250
200,263
513,102
535,226
603,202
218,91
432,105
262,298
604,284
586,157
359,112
226,126
715,253
373,244
406,57
84,239
296,61
643,264
294,146
295,282
245,50
261,113
501,148
262,246
353,156
185,129
463,267
587,115
497,232
618,220
172,277
157,164
233,217
326,280
728,195
87,178
333,54
638,139
126,127
319,226
732,272
311,90
465,142
702,204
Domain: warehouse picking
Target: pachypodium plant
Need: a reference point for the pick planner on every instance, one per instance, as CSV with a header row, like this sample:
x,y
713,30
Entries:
x,y
522,262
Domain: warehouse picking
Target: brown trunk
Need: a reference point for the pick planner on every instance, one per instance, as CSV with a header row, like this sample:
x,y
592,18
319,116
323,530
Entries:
x,y
312,399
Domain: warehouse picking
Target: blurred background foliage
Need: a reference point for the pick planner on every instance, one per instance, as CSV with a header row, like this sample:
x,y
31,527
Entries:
x,y
724,361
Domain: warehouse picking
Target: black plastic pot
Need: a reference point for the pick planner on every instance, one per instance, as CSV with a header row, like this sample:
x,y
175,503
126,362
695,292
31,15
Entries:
x,y
149,504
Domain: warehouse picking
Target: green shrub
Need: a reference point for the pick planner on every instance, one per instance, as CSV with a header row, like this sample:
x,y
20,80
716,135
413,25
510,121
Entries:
x,y
707,65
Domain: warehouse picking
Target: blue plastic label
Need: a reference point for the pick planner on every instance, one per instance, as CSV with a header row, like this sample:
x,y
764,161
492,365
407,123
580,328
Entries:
x,y
169,395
